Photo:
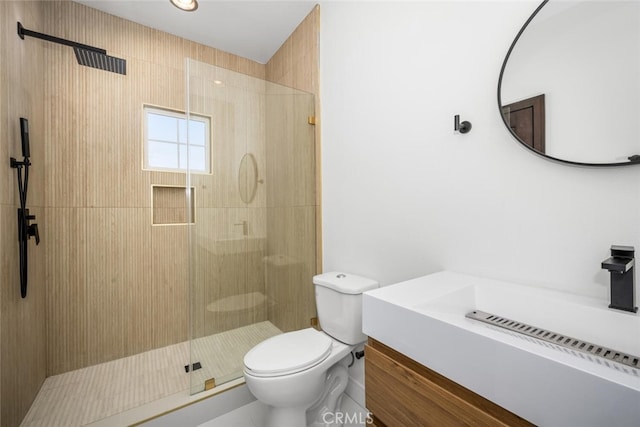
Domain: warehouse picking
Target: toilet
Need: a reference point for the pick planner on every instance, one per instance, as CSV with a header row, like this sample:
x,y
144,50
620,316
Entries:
x,y
301,375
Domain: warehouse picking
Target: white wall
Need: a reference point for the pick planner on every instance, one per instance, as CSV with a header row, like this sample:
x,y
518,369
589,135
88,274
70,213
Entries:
x,y
404,196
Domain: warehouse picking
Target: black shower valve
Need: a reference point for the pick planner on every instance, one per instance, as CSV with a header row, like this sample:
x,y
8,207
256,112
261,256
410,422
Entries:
x,y
28,230
32,231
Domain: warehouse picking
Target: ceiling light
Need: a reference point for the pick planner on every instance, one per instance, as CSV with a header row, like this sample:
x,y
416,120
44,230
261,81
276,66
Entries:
x,y
188,5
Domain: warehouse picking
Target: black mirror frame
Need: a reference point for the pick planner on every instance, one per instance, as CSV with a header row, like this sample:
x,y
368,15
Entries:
x,y
504,120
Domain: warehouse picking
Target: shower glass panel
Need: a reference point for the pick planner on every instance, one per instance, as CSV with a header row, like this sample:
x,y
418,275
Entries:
x,y
252,246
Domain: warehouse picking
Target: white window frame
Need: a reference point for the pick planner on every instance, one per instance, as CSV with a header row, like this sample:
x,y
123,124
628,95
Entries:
x,y
178,115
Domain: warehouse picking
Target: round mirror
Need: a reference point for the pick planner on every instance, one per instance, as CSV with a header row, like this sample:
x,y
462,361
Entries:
x,y
248,178
569,88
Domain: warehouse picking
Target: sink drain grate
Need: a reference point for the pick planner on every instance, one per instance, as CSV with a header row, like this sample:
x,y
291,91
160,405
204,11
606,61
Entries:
x,y
556,338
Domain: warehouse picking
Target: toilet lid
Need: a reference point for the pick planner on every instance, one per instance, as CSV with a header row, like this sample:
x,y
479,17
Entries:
x,y
288,353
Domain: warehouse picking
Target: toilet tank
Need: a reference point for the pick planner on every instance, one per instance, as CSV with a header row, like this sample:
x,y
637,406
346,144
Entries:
x,y
339,304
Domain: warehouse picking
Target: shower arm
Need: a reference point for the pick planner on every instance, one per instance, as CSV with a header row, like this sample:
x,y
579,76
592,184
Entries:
x,y
24,32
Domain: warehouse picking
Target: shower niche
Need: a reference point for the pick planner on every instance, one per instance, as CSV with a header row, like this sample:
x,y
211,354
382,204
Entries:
x,y
172,204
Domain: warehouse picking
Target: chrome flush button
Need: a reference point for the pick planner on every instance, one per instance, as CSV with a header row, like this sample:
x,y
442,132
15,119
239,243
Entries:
x,y
341,276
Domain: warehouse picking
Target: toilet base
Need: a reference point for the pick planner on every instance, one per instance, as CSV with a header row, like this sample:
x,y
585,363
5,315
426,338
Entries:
x,y
324,412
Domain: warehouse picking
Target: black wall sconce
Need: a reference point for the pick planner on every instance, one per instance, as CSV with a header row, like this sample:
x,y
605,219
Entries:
x,y
463,127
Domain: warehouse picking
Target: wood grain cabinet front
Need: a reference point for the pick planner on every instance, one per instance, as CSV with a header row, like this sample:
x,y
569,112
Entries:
x,y
401,392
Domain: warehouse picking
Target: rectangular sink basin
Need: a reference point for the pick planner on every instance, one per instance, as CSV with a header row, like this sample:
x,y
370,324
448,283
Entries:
x,y
424,318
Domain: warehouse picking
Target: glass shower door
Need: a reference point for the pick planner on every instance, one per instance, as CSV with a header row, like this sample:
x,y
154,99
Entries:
x,y
229,241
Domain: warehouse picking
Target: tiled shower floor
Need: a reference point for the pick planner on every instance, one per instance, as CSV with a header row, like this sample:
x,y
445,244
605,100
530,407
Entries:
x,y
86,395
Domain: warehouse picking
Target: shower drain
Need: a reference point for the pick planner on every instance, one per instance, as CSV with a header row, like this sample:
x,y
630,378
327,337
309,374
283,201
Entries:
x,y
556,338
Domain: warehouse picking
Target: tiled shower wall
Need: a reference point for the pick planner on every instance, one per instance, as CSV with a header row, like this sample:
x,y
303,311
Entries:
x,y
116,284
22,321
293,215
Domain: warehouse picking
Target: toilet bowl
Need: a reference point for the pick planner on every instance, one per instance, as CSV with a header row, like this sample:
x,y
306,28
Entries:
x,y
288,372
301,375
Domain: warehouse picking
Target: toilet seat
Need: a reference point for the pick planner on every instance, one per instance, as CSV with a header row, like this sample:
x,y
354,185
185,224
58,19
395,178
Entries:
x,y
288,353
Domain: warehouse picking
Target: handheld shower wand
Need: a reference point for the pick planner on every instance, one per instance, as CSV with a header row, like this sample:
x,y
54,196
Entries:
x,y
26,230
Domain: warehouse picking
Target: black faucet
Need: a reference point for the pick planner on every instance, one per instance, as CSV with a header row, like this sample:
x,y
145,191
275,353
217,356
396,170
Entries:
x,y
623,281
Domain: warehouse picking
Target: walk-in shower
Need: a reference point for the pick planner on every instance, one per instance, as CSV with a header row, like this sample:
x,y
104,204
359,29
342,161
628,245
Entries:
x,y
177,293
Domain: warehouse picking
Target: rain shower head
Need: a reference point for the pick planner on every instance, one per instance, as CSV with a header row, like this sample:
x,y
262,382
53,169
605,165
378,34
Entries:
x,y
101,61
86,55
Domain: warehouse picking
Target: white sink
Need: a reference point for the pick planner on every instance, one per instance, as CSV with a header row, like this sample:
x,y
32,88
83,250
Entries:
x,y
425,319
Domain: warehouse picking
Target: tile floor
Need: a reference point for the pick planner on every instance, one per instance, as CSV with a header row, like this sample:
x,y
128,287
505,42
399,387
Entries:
x,y
86,395
253,415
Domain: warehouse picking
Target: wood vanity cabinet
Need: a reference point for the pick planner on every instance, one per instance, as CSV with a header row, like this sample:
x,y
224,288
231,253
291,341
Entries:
x,y
401,392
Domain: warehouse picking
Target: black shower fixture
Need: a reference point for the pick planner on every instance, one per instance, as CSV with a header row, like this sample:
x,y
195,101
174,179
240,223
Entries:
x,y
26,230
86,55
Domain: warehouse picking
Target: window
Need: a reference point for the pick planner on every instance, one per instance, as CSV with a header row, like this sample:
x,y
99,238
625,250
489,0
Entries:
x,y
165,141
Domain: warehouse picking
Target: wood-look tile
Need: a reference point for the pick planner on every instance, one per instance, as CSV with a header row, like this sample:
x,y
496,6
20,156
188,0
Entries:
x,y
281,62
167,178
227,106
305,37
167,89
22,321
256,127
114,176
7,149
305,74
290,266
293,180
170,285
291,150
67,315
227,60
257,70
62,19
65,125
201,52
118,283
